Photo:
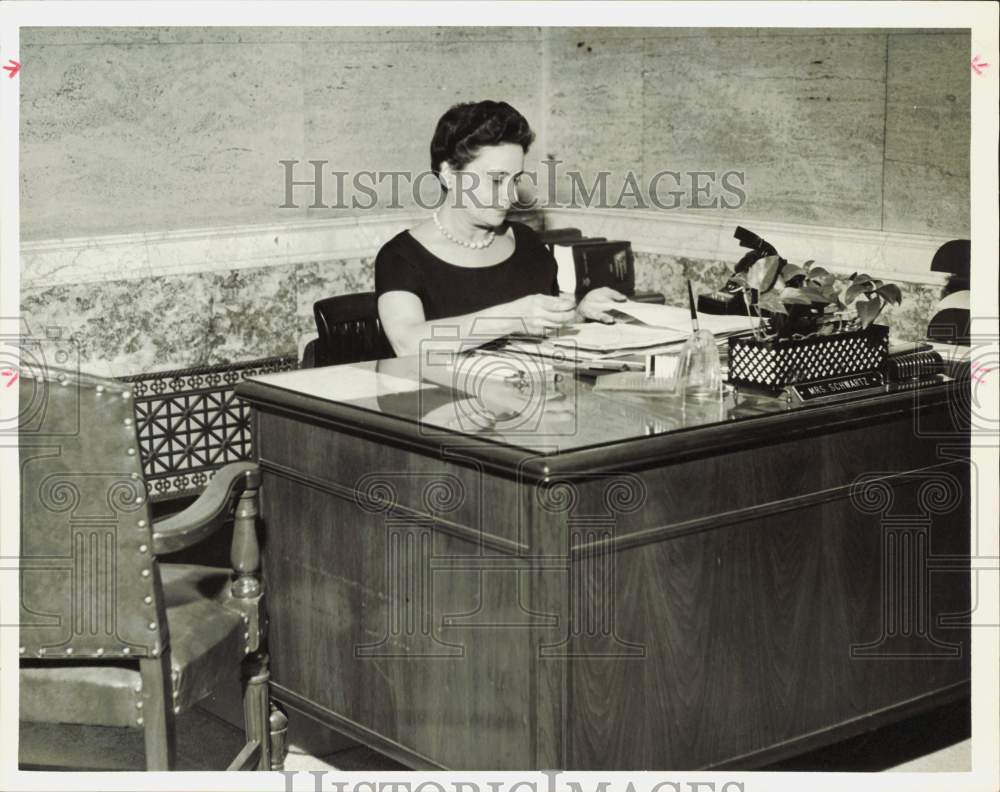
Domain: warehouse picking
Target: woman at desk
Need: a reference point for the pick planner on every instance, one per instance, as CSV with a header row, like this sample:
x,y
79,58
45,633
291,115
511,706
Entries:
x,y
466,266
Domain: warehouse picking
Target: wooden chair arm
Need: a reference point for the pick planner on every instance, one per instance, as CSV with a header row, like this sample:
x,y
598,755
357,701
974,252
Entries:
x,y
207,514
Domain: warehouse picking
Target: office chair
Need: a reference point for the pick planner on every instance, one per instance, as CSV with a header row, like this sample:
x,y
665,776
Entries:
x,y
109,635
349,330
950,323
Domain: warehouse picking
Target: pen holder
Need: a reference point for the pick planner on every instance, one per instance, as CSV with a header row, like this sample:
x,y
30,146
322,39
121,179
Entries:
x,y
699,373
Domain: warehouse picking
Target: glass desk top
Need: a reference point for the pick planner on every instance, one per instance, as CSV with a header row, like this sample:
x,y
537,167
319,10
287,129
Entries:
x,y
543,412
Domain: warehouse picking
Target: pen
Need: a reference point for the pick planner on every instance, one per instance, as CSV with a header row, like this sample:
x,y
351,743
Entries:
x,y
694,313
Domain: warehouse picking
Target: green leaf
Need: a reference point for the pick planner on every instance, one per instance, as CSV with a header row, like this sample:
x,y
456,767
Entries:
x,y
868,310
763,272
808,264
815,295
830,294
857,288
793,296
890,292
821,276
769,301
790,271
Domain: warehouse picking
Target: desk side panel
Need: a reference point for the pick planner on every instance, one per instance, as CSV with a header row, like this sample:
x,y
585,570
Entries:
x,y
385,609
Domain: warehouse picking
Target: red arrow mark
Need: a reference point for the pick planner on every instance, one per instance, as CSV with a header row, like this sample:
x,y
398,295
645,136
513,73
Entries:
x,y
13,69
977,66
12,374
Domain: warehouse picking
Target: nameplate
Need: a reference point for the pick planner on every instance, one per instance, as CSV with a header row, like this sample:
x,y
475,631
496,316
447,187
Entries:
x,y
837,388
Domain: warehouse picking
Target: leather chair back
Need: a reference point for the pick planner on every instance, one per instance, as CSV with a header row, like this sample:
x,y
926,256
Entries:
x,y
950,322
349,330
90,586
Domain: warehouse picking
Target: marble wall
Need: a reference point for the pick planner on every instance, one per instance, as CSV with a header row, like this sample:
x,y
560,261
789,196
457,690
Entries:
x,y
196,319
926,165
850,128
167,322
125,129
140,129
145,131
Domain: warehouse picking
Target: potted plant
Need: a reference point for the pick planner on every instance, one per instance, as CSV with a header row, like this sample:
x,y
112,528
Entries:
x,y
808,325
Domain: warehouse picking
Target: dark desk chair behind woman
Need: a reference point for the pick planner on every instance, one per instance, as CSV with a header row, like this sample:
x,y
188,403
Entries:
x,y
349,330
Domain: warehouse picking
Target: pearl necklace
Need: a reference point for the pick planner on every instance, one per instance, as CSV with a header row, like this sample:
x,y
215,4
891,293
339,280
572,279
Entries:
x,y
490,236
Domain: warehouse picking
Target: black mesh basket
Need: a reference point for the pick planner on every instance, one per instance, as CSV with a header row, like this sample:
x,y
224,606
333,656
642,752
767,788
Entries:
x,y
777,363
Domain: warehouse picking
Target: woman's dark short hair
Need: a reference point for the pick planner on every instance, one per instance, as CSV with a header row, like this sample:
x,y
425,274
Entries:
x,y
469,126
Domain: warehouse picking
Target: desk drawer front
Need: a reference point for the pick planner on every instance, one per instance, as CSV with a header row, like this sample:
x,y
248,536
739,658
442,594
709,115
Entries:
x,y
723,489
382,478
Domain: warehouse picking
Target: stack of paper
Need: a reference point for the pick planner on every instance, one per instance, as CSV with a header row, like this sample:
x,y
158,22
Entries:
x,y
679,319
599,337
655,328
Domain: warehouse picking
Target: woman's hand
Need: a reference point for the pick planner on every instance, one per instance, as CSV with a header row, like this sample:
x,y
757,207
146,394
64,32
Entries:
x,y
539,311
596,303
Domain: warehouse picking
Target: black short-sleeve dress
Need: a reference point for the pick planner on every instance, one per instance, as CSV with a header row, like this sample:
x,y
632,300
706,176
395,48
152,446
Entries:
x,y
444,289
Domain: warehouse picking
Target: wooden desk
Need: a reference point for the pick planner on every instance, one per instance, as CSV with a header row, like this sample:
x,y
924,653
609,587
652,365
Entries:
x,y
615,582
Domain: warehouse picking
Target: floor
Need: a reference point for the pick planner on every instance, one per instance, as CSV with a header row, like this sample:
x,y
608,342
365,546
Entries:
x,y
937,741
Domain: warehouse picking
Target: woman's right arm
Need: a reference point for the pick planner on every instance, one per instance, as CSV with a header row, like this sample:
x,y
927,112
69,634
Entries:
x,y
406,327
